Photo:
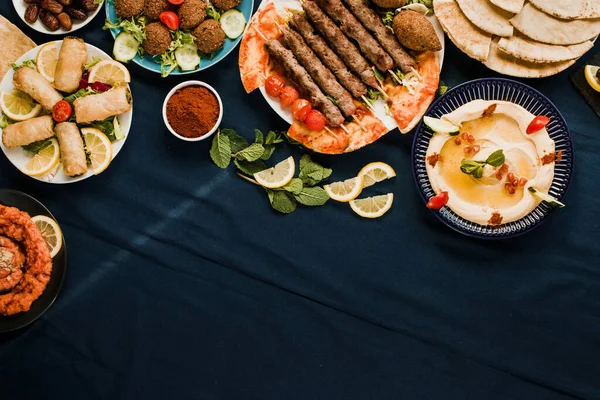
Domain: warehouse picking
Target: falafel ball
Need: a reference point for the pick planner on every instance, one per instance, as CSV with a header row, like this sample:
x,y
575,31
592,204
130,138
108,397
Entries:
x,y
415,32
209,36
225,5
191,14
390,3
157,39
129,8
153,8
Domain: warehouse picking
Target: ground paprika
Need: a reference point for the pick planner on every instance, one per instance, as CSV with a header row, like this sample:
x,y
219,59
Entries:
x,y
193,111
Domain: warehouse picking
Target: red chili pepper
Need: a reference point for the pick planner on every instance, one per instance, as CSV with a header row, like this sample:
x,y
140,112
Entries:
x,y
438,201
537,124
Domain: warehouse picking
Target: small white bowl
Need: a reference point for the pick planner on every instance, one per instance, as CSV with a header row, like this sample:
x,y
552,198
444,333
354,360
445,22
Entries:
x,y
21,6
186,84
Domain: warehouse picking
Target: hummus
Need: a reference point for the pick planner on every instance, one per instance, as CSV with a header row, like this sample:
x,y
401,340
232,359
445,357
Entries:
x,y
495,197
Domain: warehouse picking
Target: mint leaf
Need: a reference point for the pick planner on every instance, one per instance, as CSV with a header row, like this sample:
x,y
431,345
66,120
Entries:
x,y
269,149
250,167
496,159
259,138
312,196
282,201
311,172
251,153
469,166
326,173
238,143
295,186
220,150
38,146
273,138
305,160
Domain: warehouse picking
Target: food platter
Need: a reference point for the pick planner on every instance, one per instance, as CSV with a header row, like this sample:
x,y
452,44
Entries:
x,y
19,157
147,61
21,6
33,207
520,94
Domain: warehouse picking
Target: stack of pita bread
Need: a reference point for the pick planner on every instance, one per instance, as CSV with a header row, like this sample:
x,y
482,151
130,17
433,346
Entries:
x,y
531,39
13,44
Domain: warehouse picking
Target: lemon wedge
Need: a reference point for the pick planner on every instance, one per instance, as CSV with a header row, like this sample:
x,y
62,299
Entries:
x,y
278,176
372,207
44,161
50,232
110,72
376,172
18,106
346,190
46,61
99,147
591,76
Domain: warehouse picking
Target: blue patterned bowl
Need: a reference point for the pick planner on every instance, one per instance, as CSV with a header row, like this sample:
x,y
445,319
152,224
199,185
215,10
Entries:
x,y
496,89
246,7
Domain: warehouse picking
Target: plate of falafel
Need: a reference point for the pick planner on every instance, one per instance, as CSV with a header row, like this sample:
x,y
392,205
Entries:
x,y
175,37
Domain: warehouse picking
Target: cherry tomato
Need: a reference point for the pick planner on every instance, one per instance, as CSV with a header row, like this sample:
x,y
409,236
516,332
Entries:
x,y
62,111
169,19
288,95
438,201
176,2
273,85
315,121
537,124
300,109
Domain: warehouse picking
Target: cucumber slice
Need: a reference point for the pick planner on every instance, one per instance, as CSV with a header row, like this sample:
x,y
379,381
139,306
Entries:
x,y
187,57
437,125
126,47
233,23
547,198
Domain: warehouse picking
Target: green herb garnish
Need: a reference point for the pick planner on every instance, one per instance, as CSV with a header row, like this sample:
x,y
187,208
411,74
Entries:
x,y
107,127
373,94
38,146
4,121
135,26
387,17
26,63
168,61
475,168
442,88
80,93
211,12
95,60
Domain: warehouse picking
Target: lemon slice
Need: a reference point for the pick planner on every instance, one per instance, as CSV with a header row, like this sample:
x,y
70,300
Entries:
x,y
376,172
46,61
99,147
18,106
110,72
44,161
51,233
346,190
591,76
372,207
278,176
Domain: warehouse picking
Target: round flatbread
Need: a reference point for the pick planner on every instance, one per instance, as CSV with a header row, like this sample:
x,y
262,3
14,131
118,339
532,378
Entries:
x,y
569,9
487,17
13,45
466,36
504,63
545,28
512,6
524,48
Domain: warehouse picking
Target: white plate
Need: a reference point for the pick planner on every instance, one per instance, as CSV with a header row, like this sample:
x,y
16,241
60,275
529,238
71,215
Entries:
x,y
19,157
379,105
21,6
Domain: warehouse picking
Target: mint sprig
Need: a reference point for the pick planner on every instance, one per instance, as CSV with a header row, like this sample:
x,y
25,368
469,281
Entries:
x,y
475,168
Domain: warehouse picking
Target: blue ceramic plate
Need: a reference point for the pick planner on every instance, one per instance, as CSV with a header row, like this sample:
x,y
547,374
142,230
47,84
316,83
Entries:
x,y
246,7
534,102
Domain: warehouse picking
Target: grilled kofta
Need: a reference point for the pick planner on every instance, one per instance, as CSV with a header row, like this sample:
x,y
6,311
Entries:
x,y
209,36
191,14
157,39
225,5
386,38
153,8
129,8
389,3
340,43
304,82
415,32
328,56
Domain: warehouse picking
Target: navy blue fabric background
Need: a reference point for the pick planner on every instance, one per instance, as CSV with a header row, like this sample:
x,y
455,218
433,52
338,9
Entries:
x,y
183,283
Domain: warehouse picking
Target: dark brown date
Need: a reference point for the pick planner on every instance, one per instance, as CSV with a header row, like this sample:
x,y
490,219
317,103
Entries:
x,y
32,12
65,21
49,20
52,5
89,5
65,2
76,13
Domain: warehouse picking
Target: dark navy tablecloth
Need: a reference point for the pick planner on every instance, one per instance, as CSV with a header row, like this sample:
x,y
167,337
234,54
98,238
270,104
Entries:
x,y
182,282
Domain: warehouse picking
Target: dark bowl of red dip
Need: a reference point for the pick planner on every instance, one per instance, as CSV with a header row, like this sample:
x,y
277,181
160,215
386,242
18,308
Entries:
x,y
193,111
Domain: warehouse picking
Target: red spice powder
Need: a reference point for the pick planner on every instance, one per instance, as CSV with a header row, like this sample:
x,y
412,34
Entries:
x,y
193,111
